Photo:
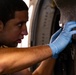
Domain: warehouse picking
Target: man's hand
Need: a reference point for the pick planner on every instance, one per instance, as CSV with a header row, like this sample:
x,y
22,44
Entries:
x,y
64,38
54,36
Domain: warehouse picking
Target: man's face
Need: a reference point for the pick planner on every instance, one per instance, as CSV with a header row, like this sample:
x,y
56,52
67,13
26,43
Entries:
x,y
15,29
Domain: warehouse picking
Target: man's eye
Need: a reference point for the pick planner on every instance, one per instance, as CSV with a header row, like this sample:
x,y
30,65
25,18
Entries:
x,y
20,25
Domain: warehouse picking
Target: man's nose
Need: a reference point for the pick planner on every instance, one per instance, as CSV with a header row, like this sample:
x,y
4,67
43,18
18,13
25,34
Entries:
x,y
24,30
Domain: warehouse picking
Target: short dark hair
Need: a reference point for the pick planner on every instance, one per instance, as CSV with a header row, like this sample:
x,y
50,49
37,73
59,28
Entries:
x,y
9,7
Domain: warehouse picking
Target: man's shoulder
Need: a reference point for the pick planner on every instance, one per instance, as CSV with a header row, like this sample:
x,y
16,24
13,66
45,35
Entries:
x,y
23,72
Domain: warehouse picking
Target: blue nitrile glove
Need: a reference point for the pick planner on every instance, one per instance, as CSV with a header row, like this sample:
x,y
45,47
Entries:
x,y
64,38
54,36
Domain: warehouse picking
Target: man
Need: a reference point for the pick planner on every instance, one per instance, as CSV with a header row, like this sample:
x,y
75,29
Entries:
x,y
13,18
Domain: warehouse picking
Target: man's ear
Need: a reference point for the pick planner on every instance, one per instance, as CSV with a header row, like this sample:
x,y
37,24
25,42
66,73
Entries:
x,y
1,25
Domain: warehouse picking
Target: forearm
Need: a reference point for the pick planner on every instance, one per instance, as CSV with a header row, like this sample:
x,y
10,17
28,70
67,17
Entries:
x,y
15,59
46,67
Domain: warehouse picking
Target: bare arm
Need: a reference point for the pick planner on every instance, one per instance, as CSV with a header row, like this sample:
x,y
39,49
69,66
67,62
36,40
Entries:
x,y
46,67
15,59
